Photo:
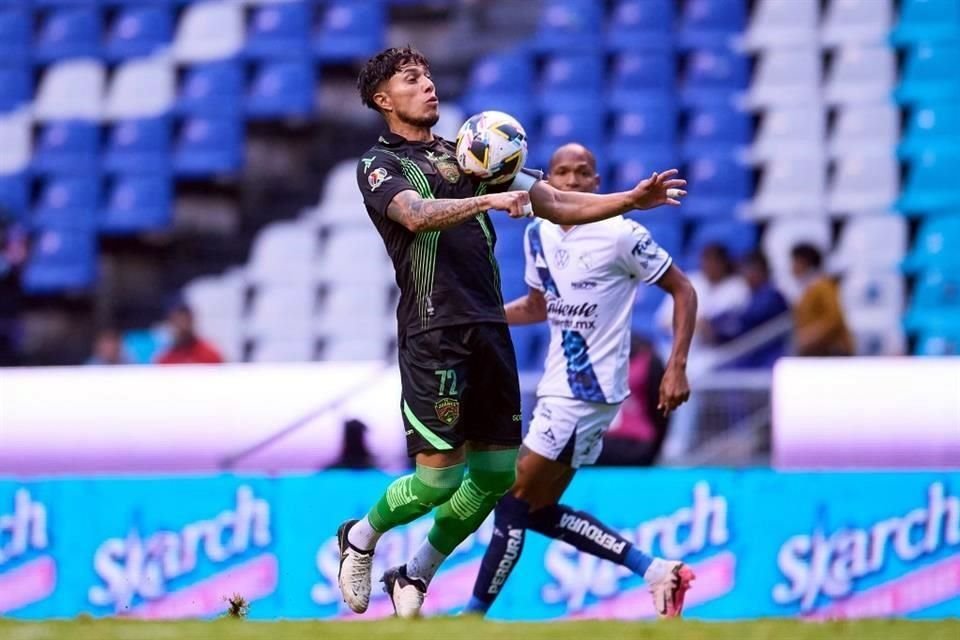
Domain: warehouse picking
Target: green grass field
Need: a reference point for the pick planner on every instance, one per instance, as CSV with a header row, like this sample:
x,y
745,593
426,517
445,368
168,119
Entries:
x,y
470,629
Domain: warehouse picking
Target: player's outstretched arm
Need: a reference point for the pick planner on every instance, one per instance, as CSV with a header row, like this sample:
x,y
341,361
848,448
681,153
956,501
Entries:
x,y
674,388
420,214
573,207
529,309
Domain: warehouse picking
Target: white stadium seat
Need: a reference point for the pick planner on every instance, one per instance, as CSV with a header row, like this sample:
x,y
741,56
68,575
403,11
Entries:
x,y
15,131
791,185
861,75
866,128
282,312
789,131
786,77
871,242
782,24
209,31
354,254
142,88
857,22
71,90
863,183
284,253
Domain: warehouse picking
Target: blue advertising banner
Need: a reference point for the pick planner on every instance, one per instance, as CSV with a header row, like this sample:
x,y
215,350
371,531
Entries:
x,y
828,545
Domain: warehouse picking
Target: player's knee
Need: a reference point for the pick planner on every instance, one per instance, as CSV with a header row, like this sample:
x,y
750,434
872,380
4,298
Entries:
x,y
437,486
496,483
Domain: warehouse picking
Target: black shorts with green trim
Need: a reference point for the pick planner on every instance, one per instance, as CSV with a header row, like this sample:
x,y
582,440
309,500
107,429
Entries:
x,y
460,383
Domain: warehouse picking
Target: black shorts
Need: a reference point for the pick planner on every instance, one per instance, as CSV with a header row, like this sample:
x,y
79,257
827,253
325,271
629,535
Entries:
x,y
460,383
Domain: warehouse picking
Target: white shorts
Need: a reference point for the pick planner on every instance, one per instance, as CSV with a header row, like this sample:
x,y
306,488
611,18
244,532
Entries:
x,y
569,431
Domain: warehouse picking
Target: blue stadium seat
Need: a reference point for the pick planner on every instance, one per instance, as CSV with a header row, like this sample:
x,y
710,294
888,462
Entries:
x,y
503,82
64,3
737,236
938,344
714,77
139,31
933,127
651,130
530,342
641,24
14,193
570,25
139,146
69,147
209,145
70,32
642,78
717,129
571,82
16,87
351,29
63,258
560,127
67,202
930,74
712,23
281,88
936,245
935,304
214,88
718,185
138,203
628,173
279,30
927,21
931,184
666,231
15,31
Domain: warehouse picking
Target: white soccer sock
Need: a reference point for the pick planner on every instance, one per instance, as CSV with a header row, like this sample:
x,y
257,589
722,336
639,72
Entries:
x,y
425,562
362,535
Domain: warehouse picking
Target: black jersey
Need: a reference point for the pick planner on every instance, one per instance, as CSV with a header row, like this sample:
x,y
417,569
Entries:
x,y
447,277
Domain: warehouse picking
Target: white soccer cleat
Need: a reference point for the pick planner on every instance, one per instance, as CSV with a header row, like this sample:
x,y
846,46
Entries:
x,y
405,593
355,569
669,581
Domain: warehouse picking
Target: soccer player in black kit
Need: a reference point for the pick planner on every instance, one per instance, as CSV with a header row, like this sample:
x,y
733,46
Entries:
x,y
460,391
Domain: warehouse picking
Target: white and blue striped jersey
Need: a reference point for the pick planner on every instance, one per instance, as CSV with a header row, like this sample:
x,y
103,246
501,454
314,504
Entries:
x,y
589,276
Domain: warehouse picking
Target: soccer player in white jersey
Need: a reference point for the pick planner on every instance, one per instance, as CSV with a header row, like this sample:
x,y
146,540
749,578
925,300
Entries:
x,y
583,281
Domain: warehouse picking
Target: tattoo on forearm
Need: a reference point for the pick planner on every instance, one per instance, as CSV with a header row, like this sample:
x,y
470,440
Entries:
x,y
432,214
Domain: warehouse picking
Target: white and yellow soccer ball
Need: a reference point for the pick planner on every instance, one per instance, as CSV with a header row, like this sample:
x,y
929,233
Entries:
x,y
492,146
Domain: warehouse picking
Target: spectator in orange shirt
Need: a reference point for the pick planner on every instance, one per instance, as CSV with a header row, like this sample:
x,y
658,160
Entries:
x,y
187,347
819,325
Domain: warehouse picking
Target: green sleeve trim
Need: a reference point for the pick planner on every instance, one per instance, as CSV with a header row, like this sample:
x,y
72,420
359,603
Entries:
x,y
435,441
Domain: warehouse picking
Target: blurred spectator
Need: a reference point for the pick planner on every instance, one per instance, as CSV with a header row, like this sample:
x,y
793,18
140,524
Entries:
x,y
187,346
354,454
636,436
108,348
820,328
13,253
765,304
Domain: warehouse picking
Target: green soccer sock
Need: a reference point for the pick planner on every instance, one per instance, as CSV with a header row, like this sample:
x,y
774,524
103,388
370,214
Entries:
x,y
490,475
413,495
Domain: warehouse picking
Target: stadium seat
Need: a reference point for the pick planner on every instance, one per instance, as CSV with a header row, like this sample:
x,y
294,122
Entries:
x,y
215,88
284,253
931,184
878,336
737,236
138,31
68,32
15,132
336,261
645,306
72,89
571,82
68,202
627,174
137,203
714,77
141,88
935,303
856,22
282,312
14,194
936,245
15,87
68,147
870,128
62,259
712,23
870,242
281,88
791,186
302,348
786,78
569,25
789,131
641,78
208,145
927,21
930,74
530,343
782,24
358,309
782,235
139,147
718,186
503,82
209,30
861,75
217,303
666,230
350,29
336,349
938,344
717,130
650,130
15,30
870,297
932,128
279,30
641,25
585,126
863,183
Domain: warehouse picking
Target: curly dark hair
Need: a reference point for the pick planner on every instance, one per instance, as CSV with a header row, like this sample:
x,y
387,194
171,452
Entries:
x,y
382,66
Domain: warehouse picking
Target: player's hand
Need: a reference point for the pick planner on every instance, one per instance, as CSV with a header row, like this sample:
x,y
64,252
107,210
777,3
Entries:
x,y
659,189
515,203
674,389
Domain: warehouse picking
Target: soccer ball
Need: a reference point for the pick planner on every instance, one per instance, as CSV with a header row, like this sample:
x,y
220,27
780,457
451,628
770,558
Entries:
x,y
492,146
